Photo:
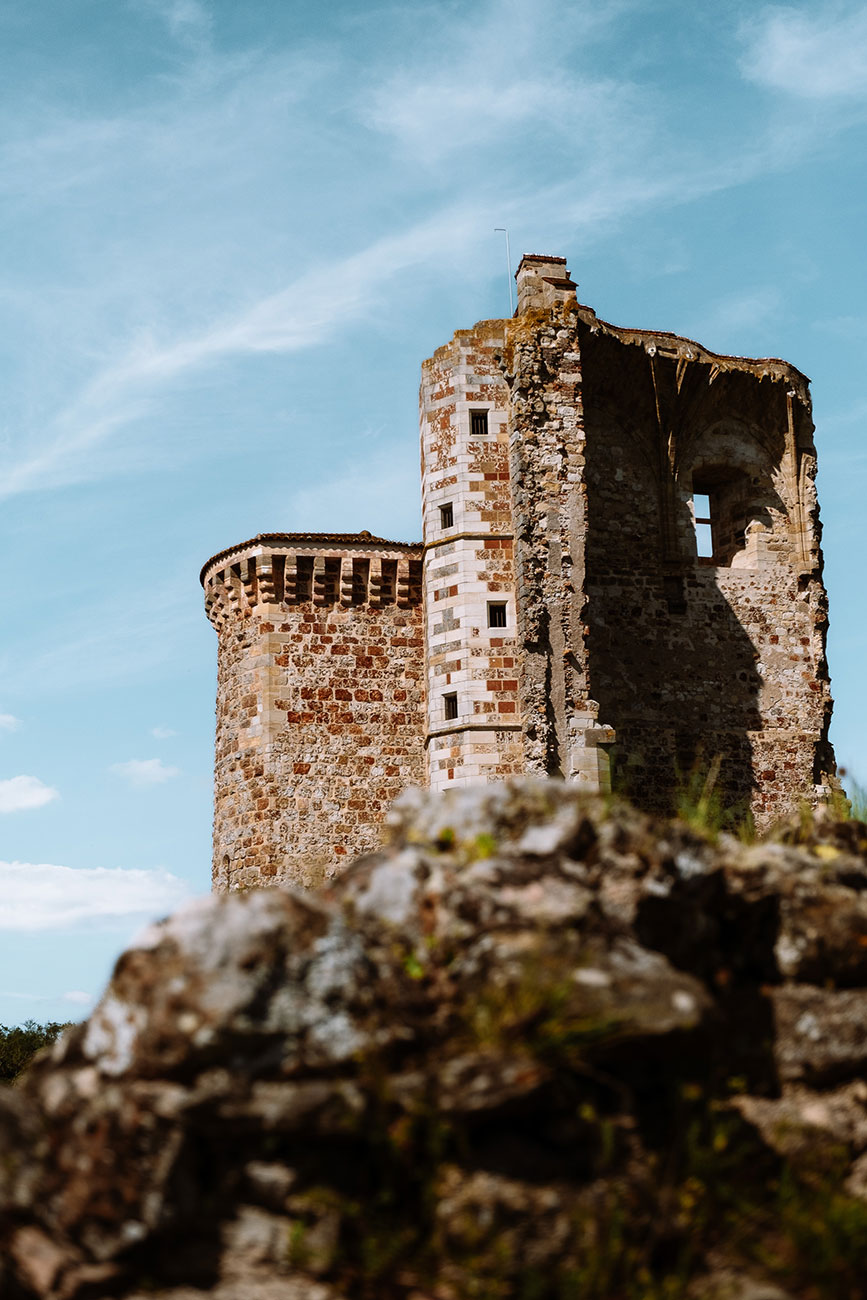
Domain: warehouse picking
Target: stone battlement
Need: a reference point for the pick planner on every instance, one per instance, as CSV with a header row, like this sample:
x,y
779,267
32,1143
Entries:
x,y
277,569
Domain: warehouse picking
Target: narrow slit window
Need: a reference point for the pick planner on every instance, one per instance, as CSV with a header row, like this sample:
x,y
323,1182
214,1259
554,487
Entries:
x,y
478,424
496,613
703,527
450,702
447,516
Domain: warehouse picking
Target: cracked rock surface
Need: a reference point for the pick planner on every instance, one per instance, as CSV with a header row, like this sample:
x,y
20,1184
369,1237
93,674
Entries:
x,y
538,1046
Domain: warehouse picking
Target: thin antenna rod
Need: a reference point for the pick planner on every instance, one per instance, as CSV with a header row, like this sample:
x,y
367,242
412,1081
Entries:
x,y
501,230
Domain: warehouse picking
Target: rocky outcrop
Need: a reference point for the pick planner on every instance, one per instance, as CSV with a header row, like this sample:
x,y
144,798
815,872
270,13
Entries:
x,y
539,1046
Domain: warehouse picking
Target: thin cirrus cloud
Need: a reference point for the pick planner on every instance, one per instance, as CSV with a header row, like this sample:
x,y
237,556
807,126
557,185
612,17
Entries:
x,y
44,896
153,322
307,312
141,773
163,733
8,722
20,793
817,53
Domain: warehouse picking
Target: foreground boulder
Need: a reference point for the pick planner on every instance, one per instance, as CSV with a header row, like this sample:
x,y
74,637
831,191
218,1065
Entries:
x,y
540,1046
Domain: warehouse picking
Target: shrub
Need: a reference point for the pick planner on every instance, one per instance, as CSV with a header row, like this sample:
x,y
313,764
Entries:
x,y
20,1044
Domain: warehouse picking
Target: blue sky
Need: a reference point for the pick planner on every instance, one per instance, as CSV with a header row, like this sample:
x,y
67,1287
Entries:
x,y
232,231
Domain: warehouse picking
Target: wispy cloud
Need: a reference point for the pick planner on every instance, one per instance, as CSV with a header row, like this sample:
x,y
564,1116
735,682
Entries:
x,y
8,722
163,733
141,773
737,320
47,897
20,793
76,996
188,21
817,53
203,282
103,644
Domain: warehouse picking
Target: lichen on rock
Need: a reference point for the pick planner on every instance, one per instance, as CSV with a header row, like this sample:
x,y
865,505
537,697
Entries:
x,y
539,1046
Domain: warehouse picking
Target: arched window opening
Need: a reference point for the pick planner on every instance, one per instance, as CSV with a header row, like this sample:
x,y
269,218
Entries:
x,y
727,517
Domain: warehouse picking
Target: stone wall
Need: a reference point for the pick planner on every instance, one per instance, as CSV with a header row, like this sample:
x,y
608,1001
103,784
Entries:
x,y
319,701
469,564
701,665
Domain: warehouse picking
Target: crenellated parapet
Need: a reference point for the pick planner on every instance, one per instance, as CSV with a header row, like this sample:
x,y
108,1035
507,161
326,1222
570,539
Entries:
x,y
320,569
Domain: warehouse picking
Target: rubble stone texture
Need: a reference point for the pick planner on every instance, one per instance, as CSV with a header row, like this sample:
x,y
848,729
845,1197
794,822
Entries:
x,y
539,1046
319,700
570,625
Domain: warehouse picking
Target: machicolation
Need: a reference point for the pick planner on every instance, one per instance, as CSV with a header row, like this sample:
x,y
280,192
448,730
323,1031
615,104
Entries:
x,y
620,580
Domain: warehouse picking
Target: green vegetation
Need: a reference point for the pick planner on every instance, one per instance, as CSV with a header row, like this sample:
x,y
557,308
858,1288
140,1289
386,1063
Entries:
x,y
20,1044
658,1174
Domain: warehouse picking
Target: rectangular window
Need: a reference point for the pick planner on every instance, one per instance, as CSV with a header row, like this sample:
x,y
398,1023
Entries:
x,y
702,520
451,706
478,424
447,516
496,614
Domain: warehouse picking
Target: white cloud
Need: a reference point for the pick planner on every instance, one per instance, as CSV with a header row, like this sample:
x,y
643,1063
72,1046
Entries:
x,y
22,792
78,997
142,772
47,897
163,733
815,53
8,722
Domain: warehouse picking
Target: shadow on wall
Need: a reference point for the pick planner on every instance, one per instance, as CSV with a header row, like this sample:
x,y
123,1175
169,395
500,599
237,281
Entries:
x,y
675,495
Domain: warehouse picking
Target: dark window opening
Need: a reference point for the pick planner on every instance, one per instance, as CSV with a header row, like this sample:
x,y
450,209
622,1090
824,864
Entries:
x,y
304,578
451,706
328,580
496,614
415,581
278,570
360,581
388,583
478,424
447,516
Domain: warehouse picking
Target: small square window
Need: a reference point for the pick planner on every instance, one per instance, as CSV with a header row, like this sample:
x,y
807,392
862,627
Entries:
x,y
478,424
451,706
496,614
447,516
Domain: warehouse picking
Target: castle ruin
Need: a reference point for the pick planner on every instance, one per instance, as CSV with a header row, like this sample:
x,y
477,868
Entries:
x,y
620,580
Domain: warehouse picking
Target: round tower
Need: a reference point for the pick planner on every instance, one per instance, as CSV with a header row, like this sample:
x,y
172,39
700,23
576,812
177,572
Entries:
x,y
320,700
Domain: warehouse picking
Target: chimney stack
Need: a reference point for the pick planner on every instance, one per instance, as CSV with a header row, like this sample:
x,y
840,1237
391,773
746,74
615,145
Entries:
x,y
542,282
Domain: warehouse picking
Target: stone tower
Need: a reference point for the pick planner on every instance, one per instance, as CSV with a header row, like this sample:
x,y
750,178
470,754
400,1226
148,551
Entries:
x,y
620,580
320,700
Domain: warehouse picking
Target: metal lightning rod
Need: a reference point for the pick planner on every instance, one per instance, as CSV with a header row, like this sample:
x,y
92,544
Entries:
x,y
501,230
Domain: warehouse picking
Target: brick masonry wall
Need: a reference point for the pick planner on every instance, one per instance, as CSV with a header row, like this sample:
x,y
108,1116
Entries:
x,y
319,705
469,563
